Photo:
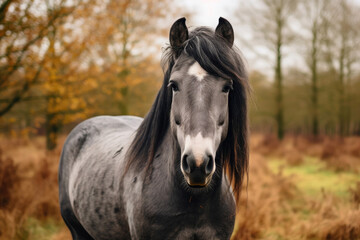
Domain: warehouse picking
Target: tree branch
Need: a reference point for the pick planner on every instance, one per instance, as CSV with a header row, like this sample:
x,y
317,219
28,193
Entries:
x,y
20,93
4,6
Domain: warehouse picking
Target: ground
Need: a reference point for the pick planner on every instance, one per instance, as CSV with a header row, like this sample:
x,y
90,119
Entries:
x,y
299,188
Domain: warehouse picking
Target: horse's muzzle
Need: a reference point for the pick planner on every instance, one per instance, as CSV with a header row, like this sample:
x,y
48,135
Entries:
x,y
197,172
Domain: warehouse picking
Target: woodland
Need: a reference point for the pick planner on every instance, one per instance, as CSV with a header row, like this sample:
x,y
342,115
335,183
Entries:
x,y
63,61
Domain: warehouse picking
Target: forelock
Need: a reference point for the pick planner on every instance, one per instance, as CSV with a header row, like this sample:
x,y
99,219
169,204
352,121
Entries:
x,y
213,55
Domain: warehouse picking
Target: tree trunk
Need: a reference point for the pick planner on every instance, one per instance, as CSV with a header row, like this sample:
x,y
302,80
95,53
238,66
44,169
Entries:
x,y
341,91
51,131
123,104
314,84
51,122
279,115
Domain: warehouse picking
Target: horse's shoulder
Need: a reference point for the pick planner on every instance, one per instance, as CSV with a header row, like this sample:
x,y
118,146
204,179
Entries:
x,y
91,128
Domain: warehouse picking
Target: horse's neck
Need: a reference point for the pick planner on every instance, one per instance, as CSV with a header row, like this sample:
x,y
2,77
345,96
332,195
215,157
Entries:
x,y
169,155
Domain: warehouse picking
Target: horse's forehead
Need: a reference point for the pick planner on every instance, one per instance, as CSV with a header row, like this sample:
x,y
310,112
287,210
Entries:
x,y
183,63
187,69
197,71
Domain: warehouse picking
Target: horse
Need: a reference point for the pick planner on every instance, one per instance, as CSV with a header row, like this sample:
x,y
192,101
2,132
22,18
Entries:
x,y
176,174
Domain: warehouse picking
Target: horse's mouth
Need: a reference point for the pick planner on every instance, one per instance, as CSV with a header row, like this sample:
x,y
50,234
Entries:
x,y
198,184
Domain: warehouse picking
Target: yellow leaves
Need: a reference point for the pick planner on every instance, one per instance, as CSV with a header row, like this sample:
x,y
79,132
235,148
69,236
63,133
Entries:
x,y
135,81
118,96
12,120
106,90
75,117
92,59
91,83
76,103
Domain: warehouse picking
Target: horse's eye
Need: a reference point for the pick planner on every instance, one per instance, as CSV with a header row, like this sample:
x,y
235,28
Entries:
x,y
173,86
227,88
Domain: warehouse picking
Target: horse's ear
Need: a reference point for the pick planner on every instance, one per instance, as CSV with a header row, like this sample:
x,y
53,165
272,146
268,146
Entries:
x,y
178,35
225,30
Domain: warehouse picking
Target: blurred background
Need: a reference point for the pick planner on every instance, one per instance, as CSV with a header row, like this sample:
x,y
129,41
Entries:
x,y
63,61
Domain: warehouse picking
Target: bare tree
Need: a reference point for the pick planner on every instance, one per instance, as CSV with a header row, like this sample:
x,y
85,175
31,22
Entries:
x,y
269,21
312,16
342,52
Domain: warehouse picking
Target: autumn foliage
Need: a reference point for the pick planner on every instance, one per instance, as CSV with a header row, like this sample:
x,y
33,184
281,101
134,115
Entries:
x,y
65,61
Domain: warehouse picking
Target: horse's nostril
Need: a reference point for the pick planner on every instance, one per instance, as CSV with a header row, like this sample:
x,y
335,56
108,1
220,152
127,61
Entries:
x,y
209,165
185,164
221,122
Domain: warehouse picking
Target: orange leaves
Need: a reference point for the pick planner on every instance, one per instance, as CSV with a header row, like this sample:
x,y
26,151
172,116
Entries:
x,y
91,83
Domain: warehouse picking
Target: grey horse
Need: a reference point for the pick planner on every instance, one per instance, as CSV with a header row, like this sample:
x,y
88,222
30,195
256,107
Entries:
x,y
176,173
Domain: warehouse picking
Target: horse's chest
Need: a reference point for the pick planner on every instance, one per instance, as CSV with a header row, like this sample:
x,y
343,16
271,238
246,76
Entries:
x,y
201,233
179,227
190,224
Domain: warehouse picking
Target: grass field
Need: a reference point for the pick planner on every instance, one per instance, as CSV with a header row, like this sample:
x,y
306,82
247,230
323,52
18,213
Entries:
x,y
298,189
312,177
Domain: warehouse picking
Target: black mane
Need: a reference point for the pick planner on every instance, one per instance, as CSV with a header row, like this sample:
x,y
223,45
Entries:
x,y
218,59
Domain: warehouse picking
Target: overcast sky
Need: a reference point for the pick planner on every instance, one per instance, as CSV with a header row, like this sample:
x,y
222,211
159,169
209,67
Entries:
x,y
207,13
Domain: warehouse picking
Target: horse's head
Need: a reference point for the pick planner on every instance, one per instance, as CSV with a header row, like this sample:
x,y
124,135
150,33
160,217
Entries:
x,y
203,102
199,115
199,118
